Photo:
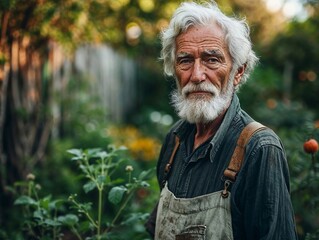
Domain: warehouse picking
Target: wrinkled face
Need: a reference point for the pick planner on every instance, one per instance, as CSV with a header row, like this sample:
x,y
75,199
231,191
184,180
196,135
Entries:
x,y
203,70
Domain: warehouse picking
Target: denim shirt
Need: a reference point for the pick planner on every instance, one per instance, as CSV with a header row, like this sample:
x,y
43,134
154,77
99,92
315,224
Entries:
x,y
260,200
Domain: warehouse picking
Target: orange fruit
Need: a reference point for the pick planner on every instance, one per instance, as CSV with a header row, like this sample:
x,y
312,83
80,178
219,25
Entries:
x,y
311,146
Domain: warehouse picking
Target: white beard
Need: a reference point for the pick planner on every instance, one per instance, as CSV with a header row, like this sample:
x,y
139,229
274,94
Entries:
x,y
202,109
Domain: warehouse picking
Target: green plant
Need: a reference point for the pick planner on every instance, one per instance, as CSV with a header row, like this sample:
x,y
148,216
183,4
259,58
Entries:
x,y
304,179
41,219
98,167
49,218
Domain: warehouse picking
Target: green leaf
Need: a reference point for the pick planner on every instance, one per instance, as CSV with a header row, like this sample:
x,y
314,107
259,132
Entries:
x,y
52,223
44,202
144,184
83,168
93,152
102,154
86,206
116,194
76,158
56,204
89,186
108,180
101,179
21,184
69,219
78,153
25,200
144,174
134,217
114,152
90,168
85,226
39,214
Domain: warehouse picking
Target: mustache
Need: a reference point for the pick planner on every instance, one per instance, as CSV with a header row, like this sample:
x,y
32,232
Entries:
x,y
204,87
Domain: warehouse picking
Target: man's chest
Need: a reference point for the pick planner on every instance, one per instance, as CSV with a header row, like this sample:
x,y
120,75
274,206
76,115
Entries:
x,y
196,173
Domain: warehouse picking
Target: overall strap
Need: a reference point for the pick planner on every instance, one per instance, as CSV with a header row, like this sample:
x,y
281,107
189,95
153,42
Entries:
x,y
170,162
239,152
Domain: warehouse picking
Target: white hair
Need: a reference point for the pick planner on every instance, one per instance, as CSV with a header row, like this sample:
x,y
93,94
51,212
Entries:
x,y
236,35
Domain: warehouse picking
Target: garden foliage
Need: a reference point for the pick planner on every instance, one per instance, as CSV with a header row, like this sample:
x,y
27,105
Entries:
x,y
45,217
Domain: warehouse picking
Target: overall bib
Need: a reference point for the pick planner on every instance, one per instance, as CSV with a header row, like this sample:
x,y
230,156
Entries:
x,y
206,217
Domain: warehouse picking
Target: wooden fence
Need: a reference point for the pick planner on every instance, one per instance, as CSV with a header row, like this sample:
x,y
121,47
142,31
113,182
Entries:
x,y
112,77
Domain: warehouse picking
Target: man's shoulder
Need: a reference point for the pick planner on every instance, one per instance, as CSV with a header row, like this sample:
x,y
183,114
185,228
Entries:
x,y
264,139
265,135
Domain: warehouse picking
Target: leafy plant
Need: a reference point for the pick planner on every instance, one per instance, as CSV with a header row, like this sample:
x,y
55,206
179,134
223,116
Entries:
x,y
49,218
304,179
41,213
98,167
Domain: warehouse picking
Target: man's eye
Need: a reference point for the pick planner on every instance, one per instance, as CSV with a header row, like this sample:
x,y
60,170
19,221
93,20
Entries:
x,y
185,61
212,60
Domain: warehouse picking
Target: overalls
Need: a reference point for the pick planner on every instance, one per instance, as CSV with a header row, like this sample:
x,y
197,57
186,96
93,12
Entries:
x,y
203,217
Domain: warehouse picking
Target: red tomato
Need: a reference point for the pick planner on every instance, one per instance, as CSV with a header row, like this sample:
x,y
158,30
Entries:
x,y
311,146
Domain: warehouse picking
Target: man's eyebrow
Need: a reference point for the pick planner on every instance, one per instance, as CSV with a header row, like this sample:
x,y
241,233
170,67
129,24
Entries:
x,y
213,52
182,54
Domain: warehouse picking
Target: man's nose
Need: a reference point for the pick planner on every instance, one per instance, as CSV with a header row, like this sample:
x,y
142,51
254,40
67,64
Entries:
x,y
198,74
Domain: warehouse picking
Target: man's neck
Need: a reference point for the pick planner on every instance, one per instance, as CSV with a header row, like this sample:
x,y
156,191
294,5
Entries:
x,y
205,131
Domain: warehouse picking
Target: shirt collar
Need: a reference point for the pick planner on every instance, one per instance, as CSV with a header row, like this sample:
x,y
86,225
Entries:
x,y
231,113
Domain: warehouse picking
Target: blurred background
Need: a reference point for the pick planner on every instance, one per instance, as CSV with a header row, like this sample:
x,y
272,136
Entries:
x,y
86,74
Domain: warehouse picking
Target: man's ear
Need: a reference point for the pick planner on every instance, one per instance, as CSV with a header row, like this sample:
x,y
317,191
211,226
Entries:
x,y
240,72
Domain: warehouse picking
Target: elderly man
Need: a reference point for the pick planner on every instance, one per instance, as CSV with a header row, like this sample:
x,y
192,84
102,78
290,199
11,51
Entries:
x,y
219,179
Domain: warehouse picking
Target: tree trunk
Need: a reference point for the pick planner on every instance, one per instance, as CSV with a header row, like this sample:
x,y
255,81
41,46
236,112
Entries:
x,y
26,120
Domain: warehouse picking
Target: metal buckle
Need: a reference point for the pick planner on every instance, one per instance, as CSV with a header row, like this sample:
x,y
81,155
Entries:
x,y
225,192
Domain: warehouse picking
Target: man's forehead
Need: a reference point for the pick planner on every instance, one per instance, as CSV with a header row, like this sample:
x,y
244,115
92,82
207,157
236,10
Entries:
x,y
203,38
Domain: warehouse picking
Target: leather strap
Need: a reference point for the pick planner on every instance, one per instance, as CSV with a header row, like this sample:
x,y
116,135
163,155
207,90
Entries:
x,y
170,162
239,152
